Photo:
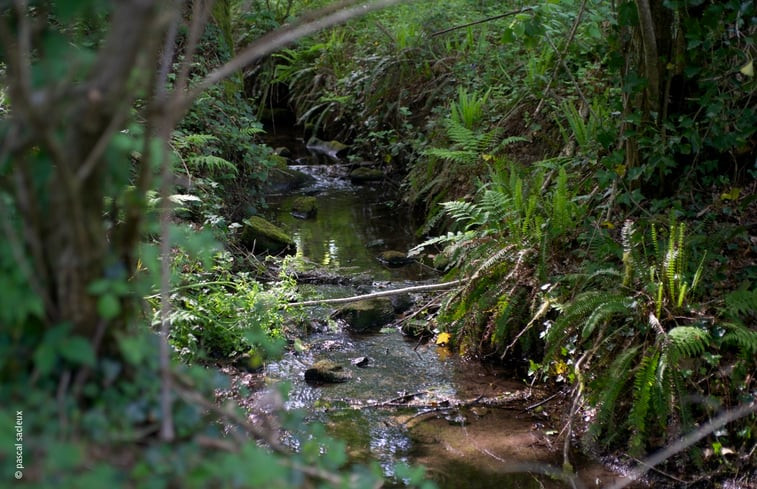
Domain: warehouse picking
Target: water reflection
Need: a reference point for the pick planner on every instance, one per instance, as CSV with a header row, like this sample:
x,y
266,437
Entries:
x,y
352,226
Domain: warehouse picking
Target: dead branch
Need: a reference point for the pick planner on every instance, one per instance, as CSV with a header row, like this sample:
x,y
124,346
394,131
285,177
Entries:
x,y
383,293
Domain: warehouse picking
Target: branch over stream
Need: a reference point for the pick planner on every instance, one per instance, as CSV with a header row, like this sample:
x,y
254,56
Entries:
x,y
383,293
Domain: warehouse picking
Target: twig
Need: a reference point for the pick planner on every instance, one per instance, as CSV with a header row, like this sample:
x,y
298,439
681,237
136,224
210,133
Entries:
x,y
488,19
194,397
542,402
384,293
572,77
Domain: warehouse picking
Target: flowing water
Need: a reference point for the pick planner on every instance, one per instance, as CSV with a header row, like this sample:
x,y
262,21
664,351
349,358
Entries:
x,y
411,402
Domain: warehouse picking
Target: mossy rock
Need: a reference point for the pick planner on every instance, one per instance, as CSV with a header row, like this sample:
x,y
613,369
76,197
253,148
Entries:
x,y
363,175
394,259
265,237
333,149
304,207
326,371
367,315
283,179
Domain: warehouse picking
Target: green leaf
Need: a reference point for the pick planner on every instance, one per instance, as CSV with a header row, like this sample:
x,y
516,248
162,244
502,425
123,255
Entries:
x,y
108,306
78,350
44,358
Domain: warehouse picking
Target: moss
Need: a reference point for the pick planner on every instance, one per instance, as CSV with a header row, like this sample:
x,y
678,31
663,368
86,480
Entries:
x,y
263,236
304,207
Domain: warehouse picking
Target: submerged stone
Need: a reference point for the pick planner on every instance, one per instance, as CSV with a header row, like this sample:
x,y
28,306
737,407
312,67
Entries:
x,y
363,175
326,371
262,236
367,315
304,207
394,258
401,302
361,362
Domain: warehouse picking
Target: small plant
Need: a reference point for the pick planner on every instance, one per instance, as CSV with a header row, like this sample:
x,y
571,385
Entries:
x,y
224,315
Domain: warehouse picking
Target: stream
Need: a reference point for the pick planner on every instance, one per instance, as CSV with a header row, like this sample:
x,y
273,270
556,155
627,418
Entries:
x,y
412,402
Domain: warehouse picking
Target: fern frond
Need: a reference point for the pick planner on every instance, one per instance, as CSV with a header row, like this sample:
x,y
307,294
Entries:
x,y
465,212
460,157
613,304
744,338
213,164
645,381
688,341
741,303
497,204
450,237
508,141
582,307
183,141
252,130
497,257
610,386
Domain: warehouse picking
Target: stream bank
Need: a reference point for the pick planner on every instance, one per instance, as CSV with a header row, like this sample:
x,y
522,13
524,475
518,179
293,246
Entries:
x,y
400,399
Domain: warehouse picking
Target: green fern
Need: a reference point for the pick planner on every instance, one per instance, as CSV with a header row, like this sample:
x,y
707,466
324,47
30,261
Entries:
x,y
588,308
742,337
467,213
609,387
212,164
613,305
184,141
645,382
688,341
741,303
468,110
459,157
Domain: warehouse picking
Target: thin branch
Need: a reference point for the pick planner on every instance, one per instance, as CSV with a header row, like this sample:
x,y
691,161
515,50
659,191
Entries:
x,y
194,397
384,293
200,14
572,77
166,426
93,158
561,56
169,49
685,442
488,19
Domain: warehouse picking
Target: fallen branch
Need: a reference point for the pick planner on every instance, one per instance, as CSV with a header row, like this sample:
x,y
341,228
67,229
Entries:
x,y
383,293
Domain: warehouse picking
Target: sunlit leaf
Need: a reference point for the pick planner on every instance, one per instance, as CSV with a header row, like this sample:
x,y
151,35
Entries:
x,y
748,69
